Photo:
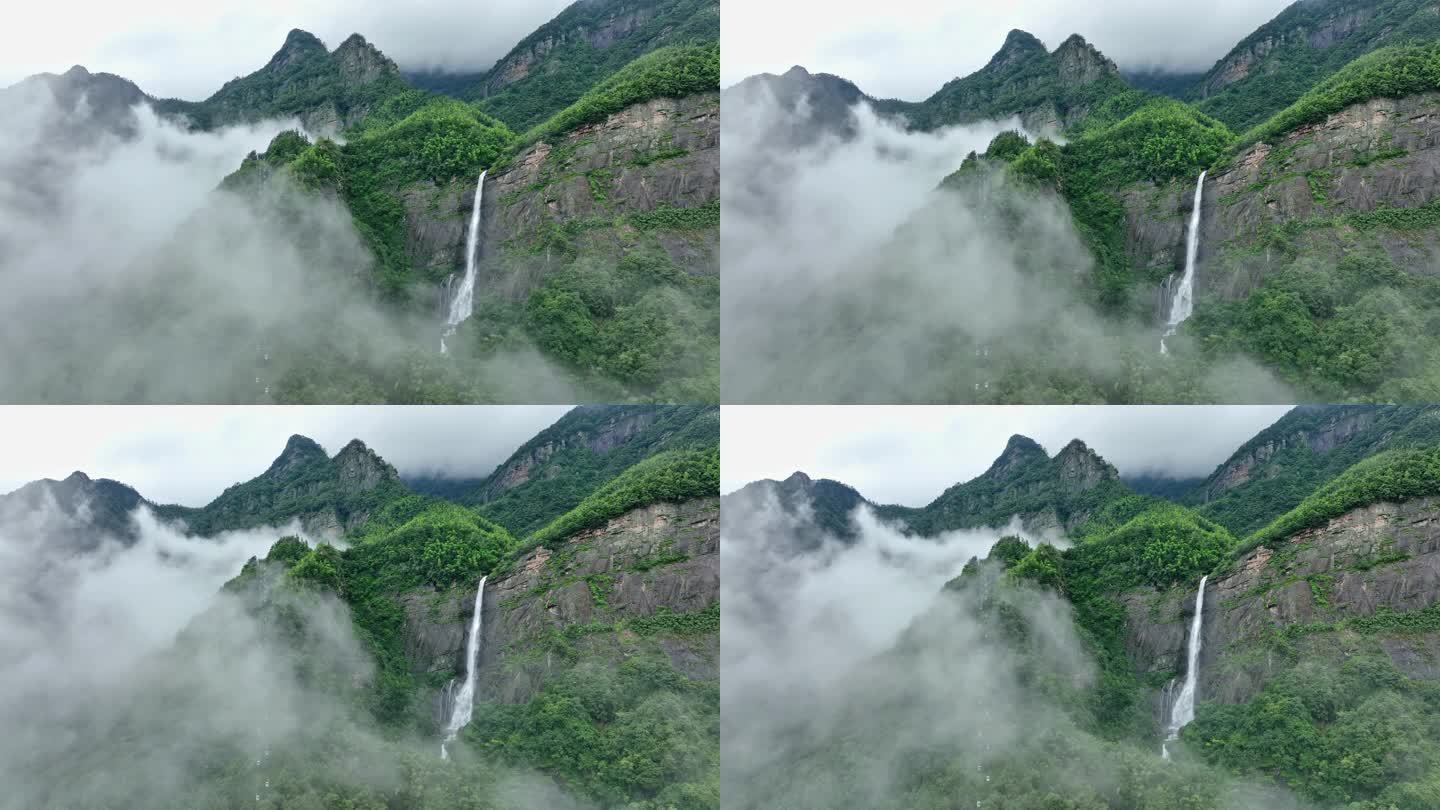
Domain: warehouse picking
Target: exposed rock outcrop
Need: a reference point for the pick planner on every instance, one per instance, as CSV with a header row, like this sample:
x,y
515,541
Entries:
x,y
581,189
662,557
1300,195
1378,558
620,426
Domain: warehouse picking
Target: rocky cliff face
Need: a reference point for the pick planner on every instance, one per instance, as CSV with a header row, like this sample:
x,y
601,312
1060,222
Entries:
x,y
1241,468
1317,595
652,560
619,23
1309,194
620,427
555,201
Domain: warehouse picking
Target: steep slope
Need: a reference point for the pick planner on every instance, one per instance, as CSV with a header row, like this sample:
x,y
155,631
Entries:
x,y
556,64
1048,91
1047,494
329,496
96,509
590,445
1308,41
599,237
1278,468
818,104
103,103
327,91
822,509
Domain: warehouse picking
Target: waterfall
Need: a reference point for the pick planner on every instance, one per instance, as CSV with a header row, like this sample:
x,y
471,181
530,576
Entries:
x,y
1183,304
463,302
1182,711
463,702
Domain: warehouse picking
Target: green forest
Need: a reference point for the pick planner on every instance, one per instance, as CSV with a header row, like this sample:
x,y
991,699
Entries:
x,y
1316,713
1333,302
610,720
616,301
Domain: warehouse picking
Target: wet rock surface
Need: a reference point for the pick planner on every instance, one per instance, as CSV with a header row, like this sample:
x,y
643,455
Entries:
x,y
1385,556
659,557
1382,153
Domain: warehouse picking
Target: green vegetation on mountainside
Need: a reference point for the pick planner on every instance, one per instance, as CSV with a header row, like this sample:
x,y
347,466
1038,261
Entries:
x,y
1292,469
1134,137
673,475
1393,475
1289,66
1392,72
672,72
561,75
567,468
1360,732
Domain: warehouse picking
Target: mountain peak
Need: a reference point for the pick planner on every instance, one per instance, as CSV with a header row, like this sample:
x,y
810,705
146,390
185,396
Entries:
x,y
299,45
1081,63
798,478
300,38
78,478
77,72
362,468
362,63
1082,466
1018,46
298,450
1019,451
797,72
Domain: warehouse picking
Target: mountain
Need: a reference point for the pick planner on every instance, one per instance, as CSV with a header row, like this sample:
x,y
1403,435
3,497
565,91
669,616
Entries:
x,y
1046,493
1317,625
589,445
816,104
329,496
1273,472
1048,91
91,104
1310,40
328,91
586,43
90,510
597,252
819,509
355,652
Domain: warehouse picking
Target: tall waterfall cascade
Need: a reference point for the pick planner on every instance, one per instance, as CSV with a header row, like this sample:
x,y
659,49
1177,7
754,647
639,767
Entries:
x,y
462,702
462,301
1182,710
1183,303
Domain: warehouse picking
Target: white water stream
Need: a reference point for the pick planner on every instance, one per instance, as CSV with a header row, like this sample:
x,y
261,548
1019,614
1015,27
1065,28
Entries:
x,y
1183,304
1182,711
462,303
463,704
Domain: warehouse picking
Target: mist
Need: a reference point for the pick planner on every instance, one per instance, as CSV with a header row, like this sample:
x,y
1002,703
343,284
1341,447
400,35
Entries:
x,y
130,678
861,675
848,278
131,278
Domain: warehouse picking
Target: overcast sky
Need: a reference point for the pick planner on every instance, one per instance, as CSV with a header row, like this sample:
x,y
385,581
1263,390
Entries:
x,y
188,455
910,454
908,48
187,50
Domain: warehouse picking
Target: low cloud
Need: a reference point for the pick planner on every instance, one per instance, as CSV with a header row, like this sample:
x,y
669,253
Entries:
x,y
853,678
132,279
848,279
